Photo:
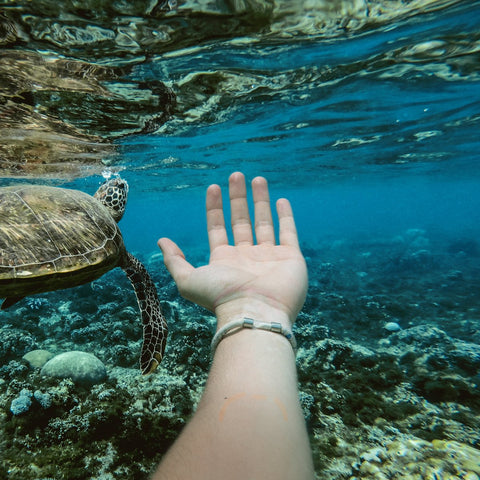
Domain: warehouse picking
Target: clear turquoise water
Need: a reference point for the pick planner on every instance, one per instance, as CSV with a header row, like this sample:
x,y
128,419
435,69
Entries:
x,y
369,129
368,133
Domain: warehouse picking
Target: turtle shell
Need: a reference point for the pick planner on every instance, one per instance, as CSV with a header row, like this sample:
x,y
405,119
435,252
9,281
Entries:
x,y
53,238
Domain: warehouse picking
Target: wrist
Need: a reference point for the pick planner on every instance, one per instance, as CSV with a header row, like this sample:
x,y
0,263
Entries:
x,y
257,309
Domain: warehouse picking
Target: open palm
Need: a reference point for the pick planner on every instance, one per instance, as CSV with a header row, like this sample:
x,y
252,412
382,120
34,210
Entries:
x,y
239,275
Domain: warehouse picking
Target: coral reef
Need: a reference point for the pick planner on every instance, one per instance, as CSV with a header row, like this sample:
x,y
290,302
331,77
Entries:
x,y
379,402
417,459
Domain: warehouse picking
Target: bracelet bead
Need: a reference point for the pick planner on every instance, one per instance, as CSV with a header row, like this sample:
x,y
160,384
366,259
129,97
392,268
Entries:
x,y
237,325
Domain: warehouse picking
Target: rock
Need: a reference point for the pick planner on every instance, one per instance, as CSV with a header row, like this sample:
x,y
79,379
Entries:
x,y
83,368
392,327
422,337
37,358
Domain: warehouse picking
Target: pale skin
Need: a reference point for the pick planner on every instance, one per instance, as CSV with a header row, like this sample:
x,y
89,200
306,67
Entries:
x,y
249,424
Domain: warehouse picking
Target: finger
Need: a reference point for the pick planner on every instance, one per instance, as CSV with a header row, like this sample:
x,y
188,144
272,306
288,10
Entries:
x,y
175,261
241,225
264,230
288,231
217,234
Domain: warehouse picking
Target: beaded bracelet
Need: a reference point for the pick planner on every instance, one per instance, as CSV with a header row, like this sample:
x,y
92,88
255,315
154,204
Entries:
x,y
236,325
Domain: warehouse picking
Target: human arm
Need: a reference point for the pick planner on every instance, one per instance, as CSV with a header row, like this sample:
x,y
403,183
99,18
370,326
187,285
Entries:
x,y
249,423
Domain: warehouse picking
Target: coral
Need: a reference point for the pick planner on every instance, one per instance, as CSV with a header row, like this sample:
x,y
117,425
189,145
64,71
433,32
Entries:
x,y
358,377
13,370
362,387
412,458
82,367
44,399
22,403
15,343
67,425
37,358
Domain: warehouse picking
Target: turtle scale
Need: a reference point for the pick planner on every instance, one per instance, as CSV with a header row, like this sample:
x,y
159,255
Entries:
x,y
53,238
62,237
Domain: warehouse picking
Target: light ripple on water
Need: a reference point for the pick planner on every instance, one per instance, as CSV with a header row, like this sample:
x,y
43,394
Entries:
x,y
307,79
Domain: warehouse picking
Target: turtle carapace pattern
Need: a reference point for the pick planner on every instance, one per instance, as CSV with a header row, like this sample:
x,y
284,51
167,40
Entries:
x,y
53,238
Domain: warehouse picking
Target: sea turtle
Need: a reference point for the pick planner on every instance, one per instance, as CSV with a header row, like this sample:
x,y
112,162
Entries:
x,y
53,238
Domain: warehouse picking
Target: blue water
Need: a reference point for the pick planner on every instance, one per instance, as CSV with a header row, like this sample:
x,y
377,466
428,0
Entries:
x,y
370,131
378,134
446,209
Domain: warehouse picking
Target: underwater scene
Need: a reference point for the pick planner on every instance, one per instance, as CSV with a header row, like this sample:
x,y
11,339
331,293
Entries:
x,y
365,114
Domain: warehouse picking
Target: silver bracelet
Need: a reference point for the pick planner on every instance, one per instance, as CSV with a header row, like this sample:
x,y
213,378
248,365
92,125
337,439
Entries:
x,y
237,325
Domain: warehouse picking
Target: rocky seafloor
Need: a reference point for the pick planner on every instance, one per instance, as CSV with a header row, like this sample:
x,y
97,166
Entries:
x,y
388,362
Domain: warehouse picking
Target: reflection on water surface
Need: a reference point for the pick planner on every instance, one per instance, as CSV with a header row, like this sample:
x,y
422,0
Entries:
x,y
74,77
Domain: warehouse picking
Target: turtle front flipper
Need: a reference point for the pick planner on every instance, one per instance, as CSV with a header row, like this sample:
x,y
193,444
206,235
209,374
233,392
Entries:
x,y
154,324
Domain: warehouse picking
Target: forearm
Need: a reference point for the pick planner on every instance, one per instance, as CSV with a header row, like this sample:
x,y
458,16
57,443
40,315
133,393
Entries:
x,y
249,423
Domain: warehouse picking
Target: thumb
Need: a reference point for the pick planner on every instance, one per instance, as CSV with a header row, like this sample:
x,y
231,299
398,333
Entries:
x,y
175,261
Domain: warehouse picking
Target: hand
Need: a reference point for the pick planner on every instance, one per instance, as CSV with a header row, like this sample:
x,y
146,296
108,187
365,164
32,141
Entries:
x,y
265,281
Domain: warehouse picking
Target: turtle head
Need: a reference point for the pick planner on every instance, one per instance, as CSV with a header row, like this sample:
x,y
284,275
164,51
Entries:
x,y
113,194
